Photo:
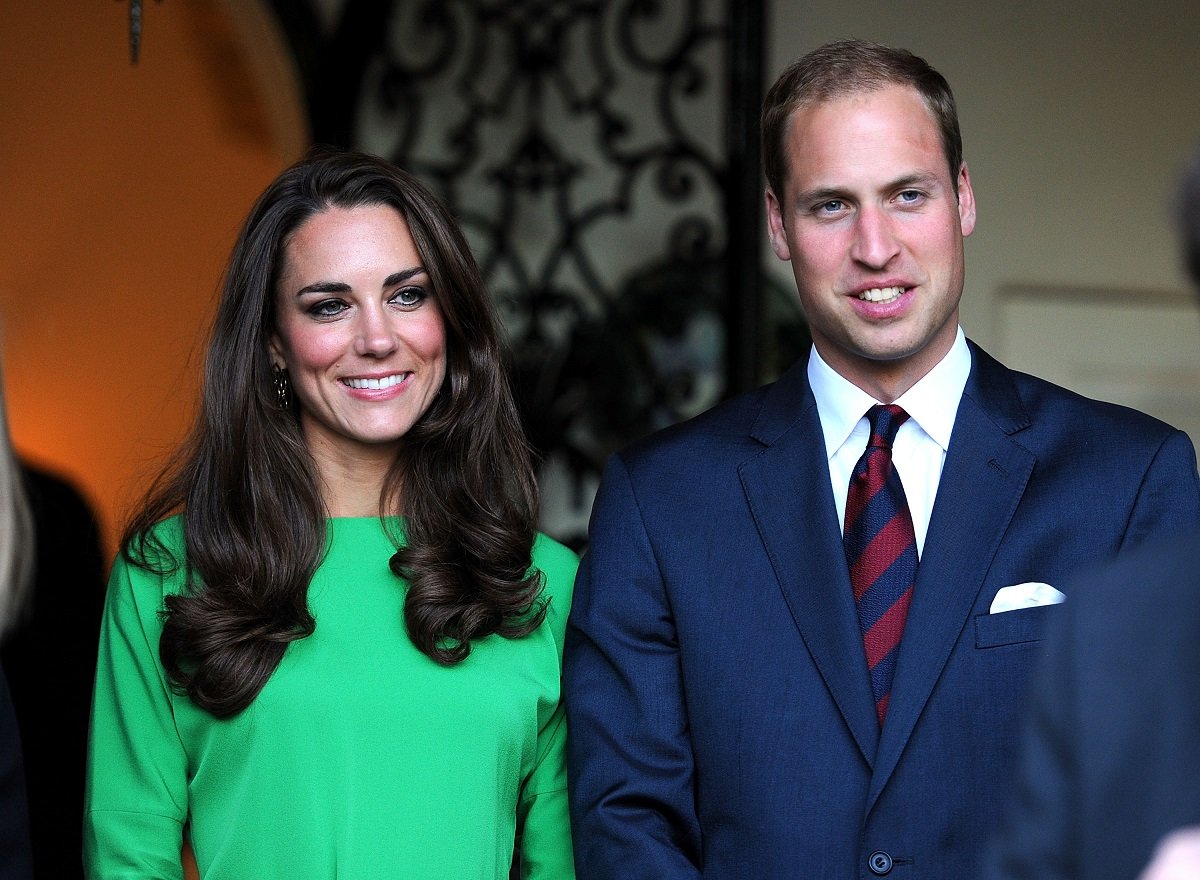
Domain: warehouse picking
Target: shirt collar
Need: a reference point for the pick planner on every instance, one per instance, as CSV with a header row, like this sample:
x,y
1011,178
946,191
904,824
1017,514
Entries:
x,y
932,403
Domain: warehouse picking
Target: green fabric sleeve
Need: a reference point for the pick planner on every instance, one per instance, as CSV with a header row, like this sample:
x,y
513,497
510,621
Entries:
x,y
137,767
543,815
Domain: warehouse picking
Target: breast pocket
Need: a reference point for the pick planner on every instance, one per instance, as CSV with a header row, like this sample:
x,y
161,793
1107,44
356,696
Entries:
x,y
1013,627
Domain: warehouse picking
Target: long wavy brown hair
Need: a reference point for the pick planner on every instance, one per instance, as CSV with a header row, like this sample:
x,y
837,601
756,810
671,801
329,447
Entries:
x,y
253,517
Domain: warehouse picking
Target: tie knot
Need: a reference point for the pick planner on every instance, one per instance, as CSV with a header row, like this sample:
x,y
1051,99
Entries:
x,y
886,420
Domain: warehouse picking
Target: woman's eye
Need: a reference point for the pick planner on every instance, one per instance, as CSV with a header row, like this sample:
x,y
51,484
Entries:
x,y
327,308
408,296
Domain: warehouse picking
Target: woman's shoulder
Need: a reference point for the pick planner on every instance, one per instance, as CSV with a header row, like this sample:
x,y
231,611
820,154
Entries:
x,y
154,561
162,546
557,563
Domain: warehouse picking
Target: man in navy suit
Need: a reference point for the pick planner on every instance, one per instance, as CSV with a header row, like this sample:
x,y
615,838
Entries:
x,y
1111,758
724,720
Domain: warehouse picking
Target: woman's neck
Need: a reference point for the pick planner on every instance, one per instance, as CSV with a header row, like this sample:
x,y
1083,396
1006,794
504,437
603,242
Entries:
x,y
352,482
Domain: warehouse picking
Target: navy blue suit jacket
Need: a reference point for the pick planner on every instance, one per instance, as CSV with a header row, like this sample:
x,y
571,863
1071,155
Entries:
x,y
721,719
1111,761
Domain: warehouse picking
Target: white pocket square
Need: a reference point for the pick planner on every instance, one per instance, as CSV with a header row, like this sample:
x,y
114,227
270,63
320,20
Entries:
x,y
1030,595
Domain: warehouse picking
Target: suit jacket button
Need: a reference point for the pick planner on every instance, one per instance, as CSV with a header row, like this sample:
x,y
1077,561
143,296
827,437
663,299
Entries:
x,y
880,863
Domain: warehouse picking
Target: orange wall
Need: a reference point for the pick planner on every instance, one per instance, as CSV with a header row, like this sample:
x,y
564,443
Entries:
x,y
122,190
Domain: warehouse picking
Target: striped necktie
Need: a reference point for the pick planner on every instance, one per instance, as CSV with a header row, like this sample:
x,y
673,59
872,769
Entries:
x,y
881,551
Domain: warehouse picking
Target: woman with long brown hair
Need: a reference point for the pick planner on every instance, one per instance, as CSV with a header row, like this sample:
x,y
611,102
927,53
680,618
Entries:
x,y
333,639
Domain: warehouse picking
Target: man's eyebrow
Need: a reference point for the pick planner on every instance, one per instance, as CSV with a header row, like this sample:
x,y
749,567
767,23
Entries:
x,y
919,178
822,194
924,179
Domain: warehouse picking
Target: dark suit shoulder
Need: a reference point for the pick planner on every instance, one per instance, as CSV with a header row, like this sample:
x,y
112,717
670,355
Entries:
x,y
726,426
1038,412
1045,396
746,423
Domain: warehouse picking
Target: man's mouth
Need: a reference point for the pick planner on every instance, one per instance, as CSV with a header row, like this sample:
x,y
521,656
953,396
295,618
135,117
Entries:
x,y
881,294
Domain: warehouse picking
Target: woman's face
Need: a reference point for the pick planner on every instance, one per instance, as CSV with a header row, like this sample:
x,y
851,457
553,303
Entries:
x,y
359,331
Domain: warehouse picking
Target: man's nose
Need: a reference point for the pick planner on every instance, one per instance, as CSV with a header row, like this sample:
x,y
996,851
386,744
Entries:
x,y
875,244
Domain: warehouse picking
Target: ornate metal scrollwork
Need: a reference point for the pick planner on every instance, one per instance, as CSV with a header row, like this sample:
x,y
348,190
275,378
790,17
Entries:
x,y
602,157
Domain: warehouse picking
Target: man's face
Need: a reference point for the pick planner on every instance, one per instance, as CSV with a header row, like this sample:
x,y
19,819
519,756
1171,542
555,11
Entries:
x,y
873,227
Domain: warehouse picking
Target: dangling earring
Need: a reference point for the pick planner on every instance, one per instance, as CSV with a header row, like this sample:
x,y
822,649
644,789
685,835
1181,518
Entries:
x,y
283,387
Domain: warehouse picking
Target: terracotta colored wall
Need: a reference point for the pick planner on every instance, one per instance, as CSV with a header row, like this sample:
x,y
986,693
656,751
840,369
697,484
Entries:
x,y
122,191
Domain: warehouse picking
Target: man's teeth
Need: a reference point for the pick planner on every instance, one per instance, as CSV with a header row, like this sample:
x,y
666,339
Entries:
x,y
881,294
376,384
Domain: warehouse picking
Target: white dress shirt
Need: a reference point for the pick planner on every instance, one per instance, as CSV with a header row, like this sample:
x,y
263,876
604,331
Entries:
x,y
921,443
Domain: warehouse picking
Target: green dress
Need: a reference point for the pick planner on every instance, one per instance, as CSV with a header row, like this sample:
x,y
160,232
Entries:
x,y
360,759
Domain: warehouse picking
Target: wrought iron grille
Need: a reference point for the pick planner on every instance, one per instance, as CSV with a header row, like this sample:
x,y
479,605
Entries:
x,y
602,157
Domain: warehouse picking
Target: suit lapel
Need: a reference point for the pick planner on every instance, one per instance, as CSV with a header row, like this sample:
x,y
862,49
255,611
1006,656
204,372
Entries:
x,y
787,487
982,482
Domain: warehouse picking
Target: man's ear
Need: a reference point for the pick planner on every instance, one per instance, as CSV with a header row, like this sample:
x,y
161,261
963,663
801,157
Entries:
x,y
966,201
775,227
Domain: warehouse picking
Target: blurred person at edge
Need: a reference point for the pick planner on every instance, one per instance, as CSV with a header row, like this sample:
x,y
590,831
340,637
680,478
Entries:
x,y
1110,766
332,641
16,561
48,650
49,656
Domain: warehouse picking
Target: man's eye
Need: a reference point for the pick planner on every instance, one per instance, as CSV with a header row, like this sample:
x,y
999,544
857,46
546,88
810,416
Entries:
x,y
408,296
832,206
909,196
